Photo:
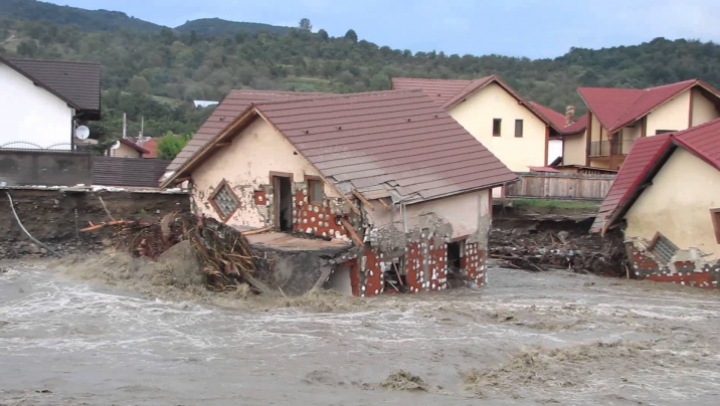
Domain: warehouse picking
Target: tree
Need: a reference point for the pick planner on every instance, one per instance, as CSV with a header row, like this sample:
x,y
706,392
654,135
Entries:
x,y
138,85
305,25
323,35
351,35
28,48
170,145
380,81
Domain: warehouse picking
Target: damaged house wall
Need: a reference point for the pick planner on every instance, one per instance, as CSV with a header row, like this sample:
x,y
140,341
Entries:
x,y
677,205
416,242
246,165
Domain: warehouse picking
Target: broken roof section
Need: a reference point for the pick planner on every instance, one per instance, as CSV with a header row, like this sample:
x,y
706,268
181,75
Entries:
x,y
450,92
617,107
645,159
398,144
236,103
76,83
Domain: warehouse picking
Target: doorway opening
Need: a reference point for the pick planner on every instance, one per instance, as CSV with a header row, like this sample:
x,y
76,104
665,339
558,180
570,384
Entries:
x,y
455,252
283,203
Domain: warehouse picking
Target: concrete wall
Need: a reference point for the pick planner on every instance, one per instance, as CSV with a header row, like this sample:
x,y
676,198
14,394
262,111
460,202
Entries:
x,y
677,205
476,114
703,109
575,149
31,113
124,151
246,165
672,115
49,168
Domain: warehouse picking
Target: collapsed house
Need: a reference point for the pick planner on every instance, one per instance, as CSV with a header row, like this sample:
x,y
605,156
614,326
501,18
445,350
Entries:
x,y
374,192
666,197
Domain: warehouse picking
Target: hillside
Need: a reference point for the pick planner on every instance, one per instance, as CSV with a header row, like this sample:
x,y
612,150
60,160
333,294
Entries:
x,y
218,26
87,20
178,67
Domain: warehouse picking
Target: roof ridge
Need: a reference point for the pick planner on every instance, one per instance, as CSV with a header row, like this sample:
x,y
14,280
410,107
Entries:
x,y
339,96
671,84
54,61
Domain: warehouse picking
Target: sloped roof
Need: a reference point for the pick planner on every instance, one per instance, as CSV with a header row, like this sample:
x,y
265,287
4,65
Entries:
x,y
440,90
643,153
133,145
558,119
151,147
236,102
76,83
645,158
392,140
618,107
450,92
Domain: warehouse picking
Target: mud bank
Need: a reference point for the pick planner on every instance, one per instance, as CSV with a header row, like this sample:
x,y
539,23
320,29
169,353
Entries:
x,y
55,216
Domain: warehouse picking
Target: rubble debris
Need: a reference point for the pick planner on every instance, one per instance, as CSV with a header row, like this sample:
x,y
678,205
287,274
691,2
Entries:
x,y
539,248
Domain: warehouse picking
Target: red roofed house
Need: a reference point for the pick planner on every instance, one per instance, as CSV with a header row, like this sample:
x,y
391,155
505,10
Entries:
x,y
618,117
389,176
517,131
667,198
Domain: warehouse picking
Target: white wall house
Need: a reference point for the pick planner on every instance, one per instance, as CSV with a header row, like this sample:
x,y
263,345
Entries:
x,y
41,102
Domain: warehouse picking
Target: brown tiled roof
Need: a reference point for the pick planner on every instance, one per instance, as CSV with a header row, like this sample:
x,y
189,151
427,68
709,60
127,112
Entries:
x,y
77,83
133,145
151,147
236,102
559,120
395,140
440,90
450,92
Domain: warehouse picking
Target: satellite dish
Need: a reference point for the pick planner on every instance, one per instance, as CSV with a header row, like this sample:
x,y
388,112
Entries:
x,y
116,145
82,132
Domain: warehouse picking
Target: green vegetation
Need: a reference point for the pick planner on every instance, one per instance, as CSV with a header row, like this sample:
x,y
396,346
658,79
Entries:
x,y
155,72
561,204
170,145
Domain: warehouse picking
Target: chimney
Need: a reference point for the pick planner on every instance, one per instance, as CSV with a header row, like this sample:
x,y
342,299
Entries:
x,y
569,115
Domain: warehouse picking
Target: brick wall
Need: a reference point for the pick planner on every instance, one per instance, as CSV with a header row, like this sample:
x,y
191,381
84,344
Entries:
x,y
690,273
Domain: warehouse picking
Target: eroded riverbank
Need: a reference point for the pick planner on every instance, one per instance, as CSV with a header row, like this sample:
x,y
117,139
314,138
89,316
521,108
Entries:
x,y
523,339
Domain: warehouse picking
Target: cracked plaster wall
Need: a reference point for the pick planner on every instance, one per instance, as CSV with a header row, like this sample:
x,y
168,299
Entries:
x,y
678,204
246,165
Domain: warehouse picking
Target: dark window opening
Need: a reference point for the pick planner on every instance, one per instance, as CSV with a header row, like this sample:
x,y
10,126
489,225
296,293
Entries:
x,y
662,248
518,128
315,191
658,132
497,127
455,252
395,276
715,217
283,195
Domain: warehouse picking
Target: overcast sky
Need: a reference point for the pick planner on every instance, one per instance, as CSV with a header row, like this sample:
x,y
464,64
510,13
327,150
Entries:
x,y
531,28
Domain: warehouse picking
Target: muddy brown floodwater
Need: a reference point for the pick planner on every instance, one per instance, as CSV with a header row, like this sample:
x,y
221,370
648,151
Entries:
x,y
524,339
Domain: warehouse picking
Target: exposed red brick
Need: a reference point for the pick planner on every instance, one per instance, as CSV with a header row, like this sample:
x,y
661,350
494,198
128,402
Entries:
x,y
473,262
318,220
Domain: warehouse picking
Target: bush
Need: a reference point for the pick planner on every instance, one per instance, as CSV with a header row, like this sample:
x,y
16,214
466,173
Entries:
x,y
170,145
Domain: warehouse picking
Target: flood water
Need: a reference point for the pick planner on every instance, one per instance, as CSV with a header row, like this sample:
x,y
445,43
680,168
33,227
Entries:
x,y
524,339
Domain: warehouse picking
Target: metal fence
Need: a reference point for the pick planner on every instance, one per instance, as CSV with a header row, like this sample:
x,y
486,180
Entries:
x,y
560,186
607,148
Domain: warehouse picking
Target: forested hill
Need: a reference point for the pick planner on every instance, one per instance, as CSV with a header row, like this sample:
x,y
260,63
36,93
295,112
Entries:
x,y
172,67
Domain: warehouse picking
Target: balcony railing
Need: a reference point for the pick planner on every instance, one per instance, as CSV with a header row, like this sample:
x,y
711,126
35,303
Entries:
x,y
607,148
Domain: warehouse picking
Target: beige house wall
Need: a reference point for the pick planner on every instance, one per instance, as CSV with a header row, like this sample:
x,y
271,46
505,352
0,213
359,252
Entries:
x,y
630,135
465,214
672,115
598,132
575,149
124,151
476,114
246,165
703,109
677,205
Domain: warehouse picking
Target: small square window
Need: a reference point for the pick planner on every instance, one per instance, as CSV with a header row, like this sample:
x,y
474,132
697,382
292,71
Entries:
x,y
715,218
315,191
518,128
497,127
225,201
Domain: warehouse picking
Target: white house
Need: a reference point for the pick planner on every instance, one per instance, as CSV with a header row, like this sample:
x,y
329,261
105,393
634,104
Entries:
x,y
42,101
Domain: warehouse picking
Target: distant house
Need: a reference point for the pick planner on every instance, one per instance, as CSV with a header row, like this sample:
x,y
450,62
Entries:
x,y
149,144
618,117
666,197
205,103
41,101
517,131
127,149
390,174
